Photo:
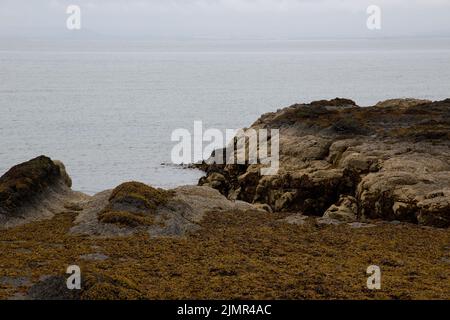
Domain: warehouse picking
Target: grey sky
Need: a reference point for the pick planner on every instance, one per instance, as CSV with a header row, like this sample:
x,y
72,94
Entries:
x,y
226,18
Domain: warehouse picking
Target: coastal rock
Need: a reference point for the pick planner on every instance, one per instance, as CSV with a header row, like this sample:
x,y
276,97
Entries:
x,y
52,288
63,173
338,161
387,158
135,206
434,210
346,209
401,103
263,206
296,219
35,189
217,181
93,287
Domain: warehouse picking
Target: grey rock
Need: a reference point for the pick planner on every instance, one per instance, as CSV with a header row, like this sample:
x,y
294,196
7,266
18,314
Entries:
x,y
297,219
15,281
94,256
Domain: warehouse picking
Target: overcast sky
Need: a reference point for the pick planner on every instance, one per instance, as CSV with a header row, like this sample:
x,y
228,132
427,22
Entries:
x,y
279,19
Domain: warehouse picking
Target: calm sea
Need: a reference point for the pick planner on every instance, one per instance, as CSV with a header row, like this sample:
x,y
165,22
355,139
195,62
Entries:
x,y
107,108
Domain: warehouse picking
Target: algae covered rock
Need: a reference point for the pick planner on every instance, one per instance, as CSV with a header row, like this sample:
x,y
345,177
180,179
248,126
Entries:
x,y
34,189
133,204
137,196
25,181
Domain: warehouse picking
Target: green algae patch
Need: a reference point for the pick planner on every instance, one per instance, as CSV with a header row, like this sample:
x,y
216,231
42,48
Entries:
x,y
126,219
139,196
133,204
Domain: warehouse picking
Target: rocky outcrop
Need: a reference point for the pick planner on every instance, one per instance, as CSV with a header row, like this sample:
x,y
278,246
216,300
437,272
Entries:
x,y
41,188
134,206
401,103
242,235
390,161
34,189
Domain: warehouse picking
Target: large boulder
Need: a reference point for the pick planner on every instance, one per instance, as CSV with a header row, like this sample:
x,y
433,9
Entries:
x,y
134,206
34,189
